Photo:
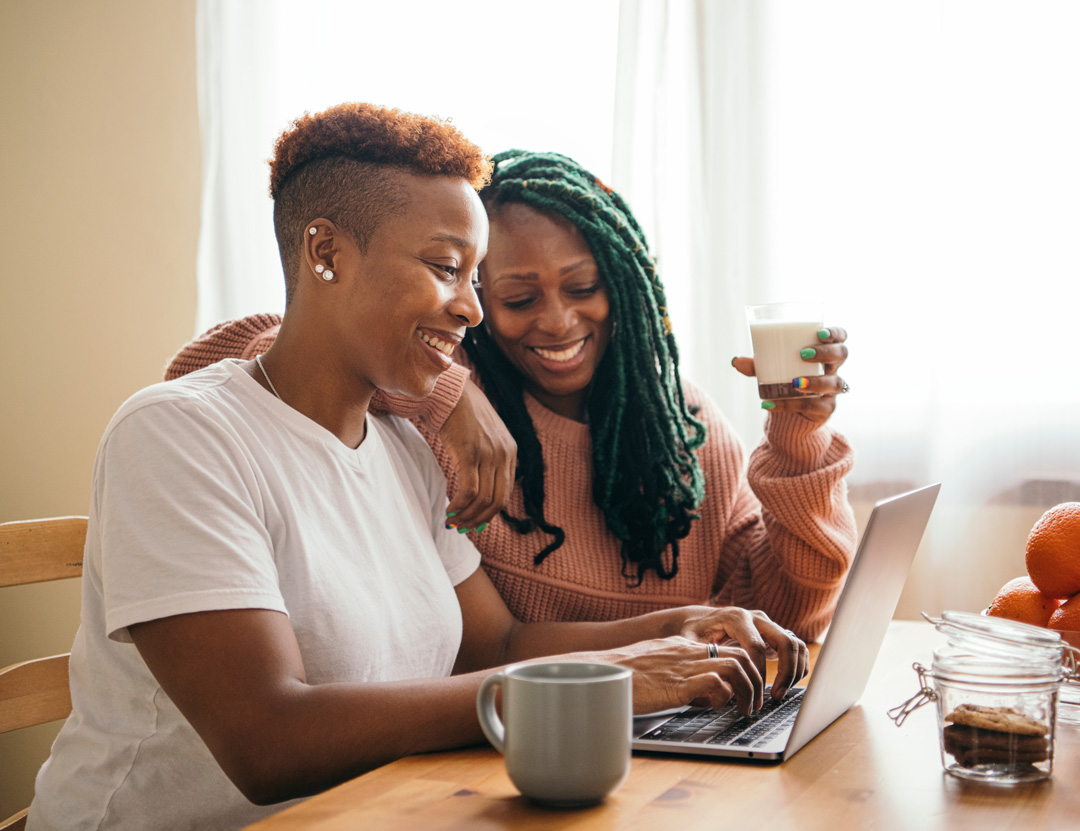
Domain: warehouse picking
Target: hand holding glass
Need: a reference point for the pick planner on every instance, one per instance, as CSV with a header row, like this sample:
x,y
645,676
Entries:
x,y
779,332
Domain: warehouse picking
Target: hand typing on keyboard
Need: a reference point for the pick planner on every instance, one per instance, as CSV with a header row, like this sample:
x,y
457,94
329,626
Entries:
x,y
670,672
756,633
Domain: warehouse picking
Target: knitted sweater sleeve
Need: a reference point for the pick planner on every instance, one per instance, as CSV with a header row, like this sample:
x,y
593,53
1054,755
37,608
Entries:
x,y
429,414
254,334
243,339
790,532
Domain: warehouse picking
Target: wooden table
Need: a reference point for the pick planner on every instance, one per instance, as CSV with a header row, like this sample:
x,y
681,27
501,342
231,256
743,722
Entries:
x,y
863,772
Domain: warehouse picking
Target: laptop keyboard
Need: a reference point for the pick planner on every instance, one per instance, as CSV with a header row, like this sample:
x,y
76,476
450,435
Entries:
x,y
701,725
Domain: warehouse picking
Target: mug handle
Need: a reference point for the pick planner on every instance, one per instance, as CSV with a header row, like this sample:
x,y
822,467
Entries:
x,y
490,722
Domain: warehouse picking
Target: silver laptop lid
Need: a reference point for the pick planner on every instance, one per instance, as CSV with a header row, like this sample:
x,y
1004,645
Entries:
x,y
862,616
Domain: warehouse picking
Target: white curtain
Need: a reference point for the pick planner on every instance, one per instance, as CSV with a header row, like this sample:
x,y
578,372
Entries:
x,y
925,170
913,165
508,75
688,158
238,268
924,163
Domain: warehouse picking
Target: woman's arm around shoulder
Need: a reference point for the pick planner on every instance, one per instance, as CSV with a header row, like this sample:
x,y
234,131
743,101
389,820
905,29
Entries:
x,y
474,447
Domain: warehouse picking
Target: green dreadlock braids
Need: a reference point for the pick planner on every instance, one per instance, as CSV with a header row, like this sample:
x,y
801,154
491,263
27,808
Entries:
x,y
647,480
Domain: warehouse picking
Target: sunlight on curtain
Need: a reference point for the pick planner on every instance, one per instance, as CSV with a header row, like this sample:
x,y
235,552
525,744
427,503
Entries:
x,y
925,180
687,158
913,165
509,76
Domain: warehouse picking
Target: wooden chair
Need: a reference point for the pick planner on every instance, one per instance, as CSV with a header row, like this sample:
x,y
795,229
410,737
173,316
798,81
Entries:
x,y
36,692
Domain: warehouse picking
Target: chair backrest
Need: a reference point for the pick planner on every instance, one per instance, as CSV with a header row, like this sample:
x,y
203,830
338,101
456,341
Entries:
x,y
36,691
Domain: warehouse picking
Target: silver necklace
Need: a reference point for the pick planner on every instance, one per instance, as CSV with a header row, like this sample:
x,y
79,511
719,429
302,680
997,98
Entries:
x,y
258,360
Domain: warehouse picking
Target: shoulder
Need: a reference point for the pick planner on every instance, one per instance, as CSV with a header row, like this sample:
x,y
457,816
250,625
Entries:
x,y
705,409
203,397
723,453
190,388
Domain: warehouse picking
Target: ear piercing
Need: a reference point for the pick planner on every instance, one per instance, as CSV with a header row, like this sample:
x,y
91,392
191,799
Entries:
x,y
326,273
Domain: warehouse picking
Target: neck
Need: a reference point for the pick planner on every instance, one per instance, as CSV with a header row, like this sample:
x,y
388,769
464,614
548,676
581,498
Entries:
x,y
309,380
567,406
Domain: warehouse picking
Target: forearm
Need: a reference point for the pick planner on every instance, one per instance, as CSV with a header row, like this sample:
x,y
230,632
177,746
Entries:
x,y
305,739
759,581
431,411
794,582
792,532
238,678
534,640
491,636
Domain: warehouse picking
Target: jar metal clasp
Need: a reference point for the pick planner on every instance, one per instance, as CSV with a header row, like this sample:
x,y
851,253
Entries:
x,y
925,695
1071,662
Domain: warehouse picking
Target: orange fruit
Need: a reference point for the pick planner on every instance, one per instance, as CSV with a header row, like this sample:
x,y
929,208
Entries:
x,y
1019,599
1067,616
1053,551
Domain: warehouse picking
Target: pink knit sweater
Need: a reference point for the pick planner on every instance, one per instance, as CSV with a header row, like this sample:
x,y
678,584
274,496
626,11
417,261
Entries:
x,y
777,536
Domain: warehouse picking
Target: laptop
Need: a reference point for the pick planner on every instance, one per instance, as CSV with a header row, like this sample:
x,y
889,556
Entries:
x,y
866,605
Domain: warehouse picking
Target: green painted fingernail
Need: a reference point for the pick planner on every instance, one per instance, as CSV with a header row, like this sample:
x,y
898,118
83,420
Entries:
x,y
823,334
809,352
451,513
480,529
463,530
767,405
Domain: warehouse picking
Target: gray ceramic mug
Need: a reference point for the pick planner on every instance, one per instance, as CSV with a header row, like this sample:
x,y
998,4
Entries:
x,y
566,728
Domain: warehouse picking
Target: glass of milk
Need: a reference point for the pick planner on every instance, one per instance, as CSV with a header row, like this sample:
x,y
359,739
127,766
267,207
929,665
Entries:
x,y
778,332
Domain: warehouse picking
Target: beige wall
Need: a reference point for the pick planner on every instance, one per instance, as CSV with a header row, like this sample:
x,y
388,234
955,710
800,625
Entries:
x,y
100,212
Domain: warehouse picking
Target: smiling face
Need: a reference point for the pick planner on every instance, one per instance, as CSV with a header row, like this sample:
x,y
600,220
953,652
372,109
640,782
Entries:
x,y
408,297
545,304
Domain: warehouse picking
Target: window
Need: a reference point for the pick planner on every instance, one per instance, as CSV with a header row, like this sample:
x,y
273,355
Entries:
x,y
508,74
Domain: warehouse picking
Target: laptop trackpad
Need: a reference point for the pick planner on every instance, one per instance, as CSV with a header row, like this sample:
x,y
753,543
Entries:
x,y
650,721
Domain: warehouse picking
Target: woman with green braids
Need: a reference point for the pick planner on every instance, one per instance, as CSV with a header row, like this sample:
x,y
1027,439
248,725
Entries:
x,y
632,490
632,493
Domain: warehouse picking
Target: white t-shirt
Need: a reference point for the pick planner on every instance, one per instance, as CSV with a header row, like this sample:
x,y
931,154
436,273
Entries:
x,y
210,493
